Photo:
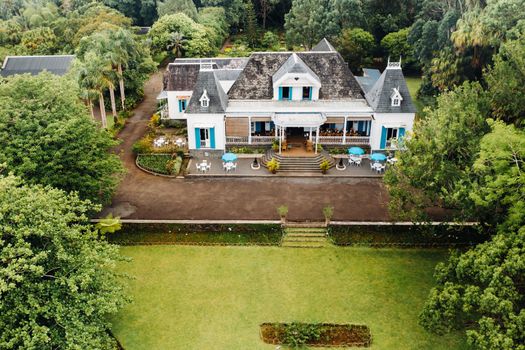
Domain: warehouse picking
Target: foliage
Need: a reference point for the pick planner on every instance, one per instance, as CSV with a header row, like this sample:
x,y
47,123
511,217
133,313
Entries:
x,y
328,212
246,150
142,12
57,280
214,19
47,137
436,165
356,46
168,7
270,41
197,41
164,164
506,83
273,165
39,41
282,210
250,23
396,46
482,288
109,224
297,334
325,166
498,192
234,9
309,21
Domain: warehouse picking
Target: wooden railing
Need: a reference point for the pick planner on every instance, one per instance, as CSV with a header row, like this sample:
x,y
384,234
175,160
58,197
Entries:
x,y
349,140
244,140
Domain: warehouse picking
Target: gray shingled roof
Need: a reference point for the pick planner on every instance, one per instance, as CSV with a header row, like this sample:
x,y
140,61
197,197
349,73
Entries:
x,y
255,81
379,96
294,64
369,78
58,65
181,77
324,45
207,80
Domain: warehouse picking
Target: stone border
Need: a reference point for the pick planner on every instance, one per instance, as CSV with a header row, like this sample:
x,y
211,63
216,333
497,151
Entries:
x,y
152,172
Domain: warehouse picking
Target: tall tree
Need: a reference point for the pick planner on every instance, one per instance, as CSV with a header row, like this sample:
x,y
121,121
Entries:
x,y
48,137
170,7
123,48
58,286
265,7
250,25
309,21
356,46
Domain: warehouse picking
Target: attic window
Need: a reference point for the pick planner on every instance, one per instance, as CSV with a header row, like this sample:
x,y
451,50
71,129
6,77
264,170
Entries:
x,y
205,100
396,97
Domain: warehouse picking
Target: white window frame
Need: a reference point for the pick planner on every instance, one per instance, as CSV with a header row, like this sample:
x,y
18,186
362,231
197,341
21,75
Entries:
x,y
395,135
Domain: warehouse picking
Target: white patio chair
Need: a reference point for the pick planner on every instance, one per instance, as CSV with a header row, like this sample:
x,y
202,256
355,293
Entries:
x,y
358,162
224,166
350,161
234,166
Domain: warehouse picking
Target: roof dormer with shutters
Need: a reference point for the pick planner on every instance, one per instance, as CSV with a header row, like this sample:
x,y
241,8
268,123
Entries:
x,y
295,81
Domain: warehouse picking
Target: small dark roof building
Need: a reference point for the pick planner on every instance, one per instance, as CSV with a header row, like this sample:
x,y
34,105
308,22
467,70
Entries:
x,y
57,64
207,87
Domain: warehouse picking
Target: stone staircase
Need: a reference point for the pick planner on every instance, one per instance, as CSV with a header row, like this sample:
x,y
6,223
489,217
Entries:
x,y
305,237
298,164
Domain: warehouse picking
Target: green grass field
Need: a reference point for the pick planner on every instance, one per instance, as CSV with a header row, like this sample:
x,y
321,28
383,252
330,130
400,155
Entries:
x,y
413,84
216,297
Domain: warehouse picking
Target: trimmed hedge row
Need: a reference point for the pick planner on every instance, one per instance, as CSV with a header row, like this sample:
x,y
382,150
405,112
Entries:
x,y
163,164
406,236
150,234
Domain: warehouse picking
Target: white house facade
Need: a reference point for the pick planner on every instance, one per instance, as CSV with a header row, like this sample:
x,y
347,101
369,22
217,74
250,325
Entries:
x,y
311,96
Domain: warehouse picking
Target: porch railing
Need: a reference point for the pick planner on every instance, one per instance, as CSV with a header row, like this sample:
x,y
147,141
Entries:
x,y
349,140
244,140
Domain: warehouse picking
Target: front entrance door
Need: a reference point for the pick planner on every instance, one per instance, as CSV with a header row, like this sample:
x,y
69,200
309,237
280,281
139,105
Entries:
x,y
205,138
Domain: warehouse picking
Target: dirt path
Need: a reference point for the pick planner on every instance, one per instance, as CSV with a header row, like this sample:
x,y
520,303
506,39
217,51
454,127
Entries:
x,y
144,196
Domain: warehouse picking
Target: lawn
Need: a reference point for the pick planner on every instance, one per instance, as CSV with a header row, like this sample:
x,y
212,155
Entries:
x,y
216,297
413,84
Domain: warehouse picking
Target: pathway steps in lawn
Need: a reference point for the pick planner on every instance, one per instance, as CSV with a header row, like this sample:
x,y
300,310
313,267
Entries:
x,y
305,237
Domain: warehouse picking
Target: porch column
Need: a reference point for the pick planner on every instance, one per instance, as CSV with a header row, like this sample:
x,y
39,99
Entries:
x,y
280,138
249,130
310,135
316,139
344,131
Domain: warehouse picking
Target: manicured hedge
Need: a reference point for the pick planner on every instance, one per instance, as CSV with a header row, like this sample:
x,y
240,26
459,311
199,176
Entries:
x,y
316,334
163,164
144,234
406,235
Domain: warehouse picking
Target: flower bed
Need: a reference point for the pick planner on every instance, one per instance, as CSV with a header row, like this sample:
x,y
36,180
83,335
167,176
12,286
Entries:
x,y
163,164
319,334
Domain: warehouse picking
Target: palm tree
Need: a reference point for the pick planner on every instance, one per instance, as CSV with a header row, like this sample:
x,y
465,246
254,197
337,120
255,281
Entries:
x,y
176,44
122,48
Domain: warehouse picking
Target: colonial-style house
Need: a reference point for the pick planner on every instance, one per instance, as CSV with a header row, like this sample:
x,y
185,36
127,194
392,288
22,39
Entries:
x,y
311,96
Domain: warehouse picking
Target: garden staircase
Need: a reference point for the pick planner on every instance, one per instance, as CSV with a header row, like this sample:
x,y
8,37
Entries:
x,y
305,237
298,164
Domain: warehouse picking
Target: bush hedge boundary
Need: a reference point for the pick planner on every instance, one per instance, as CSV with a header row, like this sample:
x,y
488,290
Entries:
x,y
151,172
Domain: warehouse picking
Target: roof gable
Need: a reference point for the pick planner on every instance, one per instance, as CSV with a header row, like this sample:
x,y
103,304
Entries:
x,y
256,80
294,65
324,45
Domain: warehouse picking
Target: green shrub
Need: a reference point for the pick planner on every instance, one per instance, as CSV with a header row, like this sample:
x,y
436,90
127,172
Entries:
x,y
298,334
163,164
273,165
282,210
325,165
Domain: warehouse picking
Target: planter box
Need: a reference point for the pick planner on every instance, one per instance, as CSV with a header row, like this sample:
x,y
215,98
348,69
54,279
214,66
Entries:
x,y
248,156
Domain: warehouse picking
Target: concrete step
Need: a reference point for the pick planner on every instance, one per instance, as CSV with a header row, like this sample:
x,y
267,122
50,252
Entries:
x,y
305,235
309,224
305,229
303,245
304,239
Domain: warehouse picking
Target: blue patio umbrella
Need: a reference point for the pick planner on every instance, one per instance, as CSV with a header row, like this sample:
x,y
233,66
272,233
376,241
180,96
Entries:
x,y
356,151
229,157
379,157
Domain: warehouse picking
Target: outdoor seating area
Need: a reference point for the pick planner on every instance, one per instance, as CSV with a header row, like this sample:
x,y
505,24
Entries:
x,y
356,158
163,141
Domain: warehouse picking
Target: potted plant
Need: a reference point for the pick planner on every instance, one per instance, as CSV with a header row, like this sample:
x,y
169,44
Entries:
x,y
273,165
283,211
275,145
325,165
328,212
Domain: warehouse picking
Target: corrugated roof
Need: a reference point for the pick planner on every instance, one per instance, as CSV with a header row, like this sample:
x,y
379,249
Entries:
x,y
255,81
207,80
58,64
379,95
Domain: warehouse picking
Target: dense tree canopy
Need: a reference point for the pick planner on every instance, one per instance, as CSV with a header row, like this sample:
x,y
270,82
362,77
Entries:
x,y
356,46
170,7
47,137
57,280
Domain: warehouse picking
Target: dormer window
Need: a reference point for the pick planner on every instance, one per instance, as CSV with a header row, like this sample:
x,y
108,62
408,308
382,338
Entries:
x,y
307,92
396,97
285,93
205,100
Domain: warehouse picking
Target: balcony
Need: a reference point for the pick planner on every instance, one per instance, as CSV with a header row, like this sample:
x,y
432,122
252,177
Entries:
x,y
245,140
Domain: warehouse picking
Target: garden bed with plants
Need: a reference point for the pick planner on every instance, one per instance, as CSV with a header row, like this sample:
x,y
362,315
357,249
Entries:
x,y
158,234
316,334
405,235
164,164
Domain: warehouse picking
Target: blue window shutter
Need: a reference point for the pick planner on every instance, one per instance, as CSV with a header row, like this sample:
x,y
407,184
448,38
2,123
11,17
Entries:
x,y
382,145
360,126
258,126
290,90
280,93
212,137
401,133
310,93
197,138
180,105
